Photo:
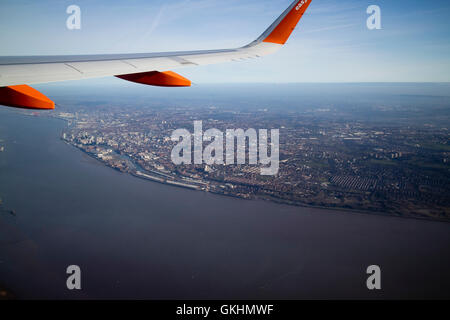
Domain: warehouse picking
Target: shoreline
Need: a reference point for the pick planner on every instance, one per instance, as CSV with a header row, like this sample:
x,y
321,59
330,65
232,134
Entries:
x,y
193,187
272,200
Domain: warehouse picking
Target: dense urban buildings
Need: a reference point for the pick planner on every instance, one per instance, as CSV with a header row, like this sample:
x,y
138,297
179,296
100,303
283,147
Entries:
x,y
326,159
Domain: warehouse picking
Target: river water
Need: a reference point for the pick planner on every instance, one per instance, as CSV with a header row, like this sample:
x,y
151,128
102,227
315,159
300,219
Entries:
x,y
138,239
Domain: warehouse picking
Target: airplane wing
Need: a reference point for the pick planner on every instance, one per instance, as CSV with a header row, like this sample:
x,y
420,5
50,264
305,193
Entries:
x,y
16,73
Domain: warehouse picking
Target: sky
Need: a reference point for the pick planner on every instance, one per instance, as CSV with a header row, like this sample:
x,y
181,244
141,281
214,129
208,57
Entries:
x,y
331,44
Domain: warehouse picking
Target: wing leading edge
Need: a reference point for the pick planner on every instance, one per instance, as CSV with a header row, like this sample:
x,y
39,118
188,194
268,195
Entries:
x,y
144,68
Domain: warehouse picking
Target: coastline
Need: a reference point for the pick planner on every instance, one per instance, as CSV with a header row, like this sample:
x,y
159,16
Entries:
x,y
236,196
147,177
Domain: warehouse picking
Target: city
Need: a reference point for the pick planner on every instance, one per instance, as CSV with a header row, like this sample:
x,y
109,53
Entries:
x,y
390,168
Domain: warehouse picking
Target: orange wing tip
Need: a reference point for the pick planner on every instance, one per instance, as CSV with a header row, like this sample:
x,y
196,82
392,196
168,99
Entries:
x,y
156,78
23,96
283,30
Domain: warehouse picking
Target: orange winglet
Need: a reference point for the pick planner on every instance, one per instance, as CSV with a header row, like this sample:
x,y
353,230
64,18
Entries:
x,y
284,29
156,78
23,96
